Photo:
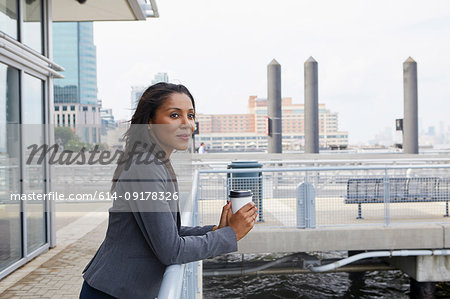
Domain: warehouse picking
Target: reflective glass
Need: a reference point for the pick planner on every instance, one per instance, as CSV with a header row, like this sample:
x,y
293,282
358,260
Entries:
x,y
10,222
74,49
34,173
32,24
8,17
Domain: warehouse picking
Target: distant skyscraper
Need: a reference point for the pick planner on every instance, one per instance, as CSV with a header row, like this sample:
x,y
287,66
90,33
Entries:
x,y
137,91
75,96
74,49
160,77
108,122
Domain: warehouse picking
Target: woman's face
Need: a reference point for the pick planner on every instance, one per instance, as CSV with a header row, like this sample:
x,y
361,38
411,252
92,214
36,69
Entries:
x,y
173,123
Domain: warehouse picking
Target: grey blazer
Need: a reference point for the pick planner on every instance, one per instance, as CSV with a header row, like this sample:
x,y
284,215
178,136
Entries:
x,y
145,236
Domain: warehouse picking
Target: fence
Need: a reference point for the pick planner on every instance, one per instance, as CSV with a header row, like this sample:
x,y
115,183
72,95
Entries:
x,y
300,197
404,194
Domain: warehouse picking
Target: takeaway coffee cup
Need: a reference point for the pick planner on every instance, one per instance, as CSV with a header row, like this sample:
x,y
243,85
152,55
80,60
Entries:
x,y
239,198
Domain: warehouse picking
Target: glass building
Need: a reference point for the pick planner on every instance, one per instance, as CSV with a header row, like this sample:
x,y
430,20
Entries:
x,y
74,49
75,96
27,73
25,86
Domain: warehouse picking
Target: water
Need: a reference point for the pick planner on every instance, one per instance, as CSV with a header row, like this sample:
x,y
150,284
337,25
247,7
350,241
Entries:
x,y
375,284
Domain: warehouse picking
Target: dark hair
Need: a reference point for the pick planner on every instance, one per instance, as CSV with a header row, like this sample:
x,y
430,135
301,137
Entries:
x,y
152,98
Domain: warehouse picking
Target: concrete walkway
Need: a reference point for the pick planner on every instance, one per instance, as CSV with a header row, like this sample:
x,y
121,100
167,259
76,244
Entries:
x,y
57,273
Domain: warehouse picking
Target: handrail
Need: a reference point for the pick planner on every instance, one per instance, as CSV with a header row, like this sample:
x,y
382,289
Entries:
x,y
365,255
311,161
296,169
172,283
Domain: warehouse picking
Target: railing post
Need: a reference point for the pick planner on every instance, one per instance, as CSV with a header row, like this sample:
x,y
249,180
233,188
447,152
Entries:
x,y
195,218
301,206
387,198
306,205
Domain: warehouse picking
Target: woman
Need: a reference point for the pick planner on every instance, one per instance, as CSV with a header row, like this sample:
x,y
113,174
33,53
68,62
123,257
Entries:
x,y
144,233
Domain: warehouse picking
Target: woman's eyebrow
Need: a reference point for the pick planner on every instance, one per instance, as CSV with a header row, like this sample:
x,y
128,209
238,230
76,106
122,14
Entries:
x,y
175,108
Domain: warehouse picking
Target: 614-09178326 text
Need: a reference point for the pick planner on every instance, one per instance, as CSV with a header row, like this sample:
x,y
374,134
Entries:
x,y
105,196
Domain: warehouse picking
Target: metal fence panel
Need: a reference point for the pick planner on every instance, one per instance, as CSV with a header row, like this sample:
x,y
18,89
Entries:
x,y
343,196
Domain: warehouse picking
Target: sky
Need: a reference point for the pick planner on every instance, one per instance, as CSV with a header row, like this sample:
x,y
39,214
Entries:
x,y
220,51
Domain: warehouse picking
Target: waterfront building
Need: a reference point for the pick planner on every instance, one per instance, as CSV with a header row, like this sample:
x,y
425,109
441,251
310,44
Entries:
x,y
236,132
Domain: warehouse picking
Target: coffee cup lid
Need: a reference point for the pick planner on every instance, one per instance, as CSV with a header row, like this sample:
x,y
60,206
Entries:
x,y
240,193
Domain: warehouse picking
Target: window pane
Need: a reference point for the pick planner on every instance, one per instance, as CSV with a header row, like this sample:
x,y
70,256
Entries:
x,y
10,227
32,24
8,17
34,175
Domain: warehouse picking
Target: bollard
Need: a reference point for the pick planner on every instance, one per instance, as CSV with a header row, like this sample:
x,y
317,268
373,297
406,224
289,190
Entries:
x,y
311,107
274,107
410,110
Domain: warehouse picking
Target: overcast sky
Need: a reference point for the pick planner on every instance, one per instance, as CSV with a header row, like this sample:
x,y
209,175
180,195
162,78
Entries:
x,y
220,51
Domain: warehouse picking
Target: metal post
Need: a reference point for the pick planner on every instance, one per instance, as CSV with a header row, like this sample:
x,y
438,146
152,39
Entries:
x,y
311,106
274,144
359,212
410,110
306,206
421,290
50,132
387,199
301,206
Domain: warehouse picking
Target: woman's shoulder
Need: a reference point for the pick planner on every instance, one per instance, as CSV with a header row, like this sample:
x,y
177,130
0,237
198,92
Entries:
x,y
146,165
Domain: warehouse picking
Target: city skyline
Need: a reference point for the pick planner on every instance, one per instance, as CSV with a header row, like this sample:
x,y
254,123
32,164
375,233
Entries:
x,y
249,131
360,47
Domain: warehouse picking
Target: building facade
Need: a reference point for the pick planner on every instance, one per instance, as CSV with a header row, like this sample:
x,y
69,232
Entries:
x,y
75,96
108,122
227,132
26,75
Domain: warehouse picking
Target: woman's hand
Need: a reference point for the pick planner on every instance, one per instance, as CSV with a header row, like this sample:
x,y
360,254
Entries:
x,y
243,220
224,217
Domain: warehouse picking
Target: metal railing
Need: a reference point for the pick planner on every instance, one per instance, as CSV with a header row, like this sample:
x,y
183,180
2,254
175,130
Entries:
x,y
216,164
180,281
302,198
283,202
284,206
